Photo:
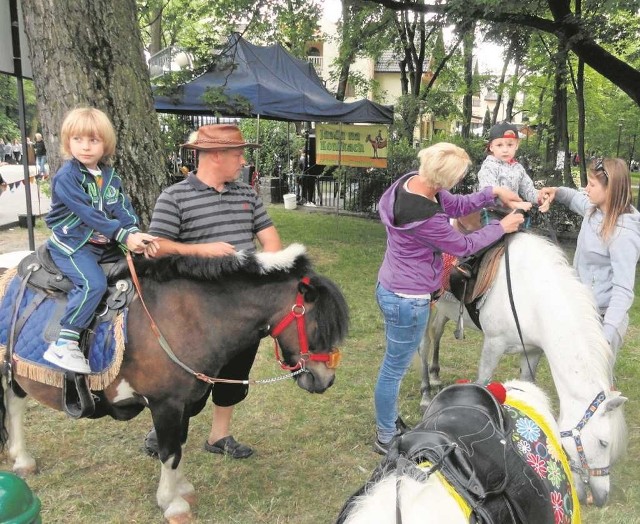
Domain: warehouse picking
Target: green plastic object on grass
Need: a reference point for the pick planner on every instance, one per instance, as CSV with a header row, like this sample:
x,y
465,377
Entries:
x,y
18,504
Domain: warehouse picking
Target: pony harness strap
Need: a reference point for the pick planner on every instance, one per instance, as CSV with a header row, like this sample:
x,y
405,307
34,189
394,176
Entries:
x,y
297,313
585,471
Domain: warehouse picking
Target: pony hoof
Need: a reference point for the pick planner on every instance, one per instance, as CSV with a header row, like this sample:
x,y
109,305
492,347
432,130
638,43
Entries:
x,y
182,518
190,498
27,471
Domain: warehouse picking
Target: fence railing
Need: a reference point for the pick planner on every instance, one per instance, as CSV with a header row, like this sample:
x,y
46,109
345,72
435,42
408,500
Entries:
x,y
359,193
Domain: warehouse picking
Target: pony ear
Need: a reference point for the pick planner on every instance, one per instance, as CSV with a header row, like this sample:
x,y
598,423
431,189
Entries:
x,y
309,292
614,402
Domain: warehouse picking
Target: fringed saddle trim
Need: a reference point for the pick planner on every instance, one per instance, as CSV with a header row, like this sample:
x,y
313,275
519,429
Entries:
x,y
52,377
5,278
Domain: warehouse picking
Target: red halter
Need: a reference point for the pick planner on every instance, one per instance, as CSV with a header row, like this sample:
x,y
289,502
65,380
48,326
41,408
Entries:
x,y
297,312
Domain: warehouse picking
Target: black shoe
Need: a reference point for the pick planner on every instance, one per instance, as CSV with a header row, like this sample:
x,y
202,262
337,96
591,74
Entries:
x,y
229,446
151,443
380,447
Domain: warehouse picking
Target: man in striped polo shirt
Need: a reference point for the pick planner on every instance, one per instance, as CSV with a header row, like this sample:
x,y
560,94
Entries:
x,y
211,213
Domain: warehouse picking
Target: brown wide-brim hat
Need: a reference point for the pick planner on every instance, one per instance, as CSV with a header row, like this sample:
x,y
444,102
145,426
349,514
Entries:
x,y
216,137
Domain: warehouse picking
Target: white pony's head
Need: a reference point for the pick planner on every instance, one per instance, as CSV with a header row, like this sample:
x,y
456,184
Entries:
x,y
602,435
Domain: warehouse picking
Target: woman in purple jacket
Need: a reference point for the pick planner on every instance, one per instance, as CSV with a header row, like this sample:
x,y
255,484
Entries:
x,y
415,211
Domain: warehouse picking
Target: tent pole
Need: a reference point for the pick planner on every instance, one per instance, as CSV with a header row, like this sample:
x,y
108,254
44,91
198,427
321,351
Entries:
x,y
340,169
289,167
257,142
17,69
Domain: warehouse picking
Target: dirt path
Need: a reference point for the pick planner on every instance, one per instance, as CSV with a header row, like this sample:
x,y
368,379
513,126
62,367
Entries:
x,y
17,239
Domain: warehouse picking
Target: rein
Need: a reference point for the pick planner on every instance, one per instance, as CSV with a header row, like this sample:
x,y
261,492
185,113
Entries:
x,y
512,303
585,471
297,311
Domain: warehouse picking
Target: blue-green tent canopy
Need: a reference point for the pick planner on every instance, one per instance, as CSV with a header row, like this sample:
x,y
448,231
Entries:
x,y
276,85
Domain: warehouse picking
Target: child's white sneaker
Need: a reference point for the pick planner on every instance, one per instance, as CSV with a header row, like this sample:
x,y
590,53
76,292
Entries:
x,y
67,356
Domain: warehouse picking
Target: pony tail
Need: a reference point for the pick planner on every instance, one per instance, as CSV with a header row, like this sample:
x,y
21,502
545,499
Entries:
x,y
4,434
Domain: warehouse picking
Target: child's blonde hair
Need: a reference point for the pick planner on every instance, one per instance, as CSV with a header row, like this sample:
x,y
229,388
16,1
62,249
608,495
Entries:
x,y
87,121
443,165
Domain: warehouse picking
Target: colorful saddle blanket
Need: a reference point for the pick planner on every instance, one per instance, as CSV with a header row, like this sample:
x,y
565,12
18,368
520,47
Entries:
x,y
503,460
107,344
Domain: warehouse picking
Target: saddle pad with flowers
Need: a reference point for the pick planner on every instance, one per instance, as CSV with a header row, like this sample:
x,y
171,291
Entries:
x,y
105,355
535,442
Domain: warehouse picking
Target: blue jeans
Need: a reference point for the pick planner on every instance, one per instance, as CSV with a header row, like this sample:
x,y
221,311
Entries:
x,y
405,320
40,162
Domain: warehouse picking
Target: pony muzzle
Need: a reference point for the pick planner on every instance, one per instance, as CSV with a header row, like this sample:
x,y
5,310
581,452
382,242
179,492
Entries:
x,y
331,359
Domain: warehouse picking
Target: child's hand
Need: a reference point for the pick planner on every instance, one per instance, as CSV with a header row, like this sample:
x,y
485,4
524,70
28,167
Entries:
x,y
137,242
506,196
545,196
525,206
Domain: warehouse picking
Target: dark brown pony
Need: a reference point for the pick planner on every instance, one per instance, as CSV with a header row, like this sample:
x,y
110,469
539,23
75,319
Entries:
x,y
209,310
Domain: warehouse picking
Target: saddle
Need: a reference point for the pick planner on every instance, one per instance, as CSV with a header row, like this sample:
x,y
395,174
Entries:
x,y
466,435
39,272
464,275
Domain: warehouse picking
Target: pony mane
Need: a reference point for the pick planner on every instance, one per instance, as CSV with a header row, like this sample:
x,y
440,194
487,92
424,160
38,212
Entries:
x,y
292,260
330,311
561,278
619,435
532,395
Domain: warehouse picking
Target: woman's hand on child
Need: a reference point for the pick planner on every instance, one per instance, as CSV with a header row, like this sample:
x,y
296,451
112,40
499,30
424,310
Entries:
x,y
139,242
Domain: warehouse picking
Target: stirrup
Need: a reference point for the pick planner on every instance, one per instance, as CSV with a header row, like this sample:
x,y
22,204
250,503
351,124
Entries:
x,y
77,399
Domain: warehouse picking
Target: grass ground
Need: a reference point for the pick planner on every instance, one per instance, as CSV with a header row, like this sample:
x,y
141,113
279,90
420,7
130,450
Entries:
x,y
312,451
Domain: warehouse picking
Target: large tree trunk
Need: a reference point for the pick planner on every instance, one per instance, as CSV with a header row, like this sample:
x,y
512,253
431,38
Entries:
x,y
89,53
467,101
500,88
559,112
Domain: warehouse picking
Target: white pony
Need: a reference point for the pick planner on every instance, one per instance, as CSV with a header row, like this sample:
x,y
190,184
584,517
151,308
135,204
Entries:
x,y
557,316
433,501
9,260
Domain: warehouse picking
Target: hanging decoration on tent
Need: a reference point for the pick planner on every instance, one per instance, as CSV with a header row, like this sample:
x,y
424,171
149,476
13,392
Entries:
x,y
352,145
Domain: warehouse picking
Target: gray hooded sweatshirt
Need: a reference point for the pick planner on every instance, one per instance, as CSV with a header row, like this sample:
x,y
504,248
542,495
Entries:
x,y
607,268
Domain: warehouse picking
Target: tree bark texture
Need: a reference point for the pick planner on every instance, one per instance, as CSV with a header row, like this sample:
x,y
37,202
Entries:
x,y
89,53
467,101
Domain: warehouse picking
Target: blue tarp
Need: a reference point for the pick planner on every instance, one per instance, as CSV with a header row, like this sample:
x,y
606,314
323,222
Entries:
x,y
277,85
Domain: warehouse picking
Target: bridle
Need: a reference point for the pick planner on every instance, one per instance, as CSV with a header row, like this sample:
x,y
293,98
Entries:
x,y
297,313
331,359
584,470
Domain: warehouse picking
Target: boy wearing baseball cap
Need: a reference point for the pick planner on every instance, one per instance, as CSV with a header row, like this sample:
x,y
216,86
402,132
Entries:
x,y
500,168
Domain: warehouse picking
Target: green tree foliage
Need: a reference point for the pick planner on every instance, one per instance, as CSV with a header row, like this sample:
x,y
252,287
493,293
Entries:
x,y
201,27
279,145
9,117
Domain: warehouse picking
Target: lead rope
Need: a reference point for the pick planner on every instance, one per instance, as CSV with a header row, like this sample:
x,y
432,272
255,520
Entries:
x,y
164,344
513,306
